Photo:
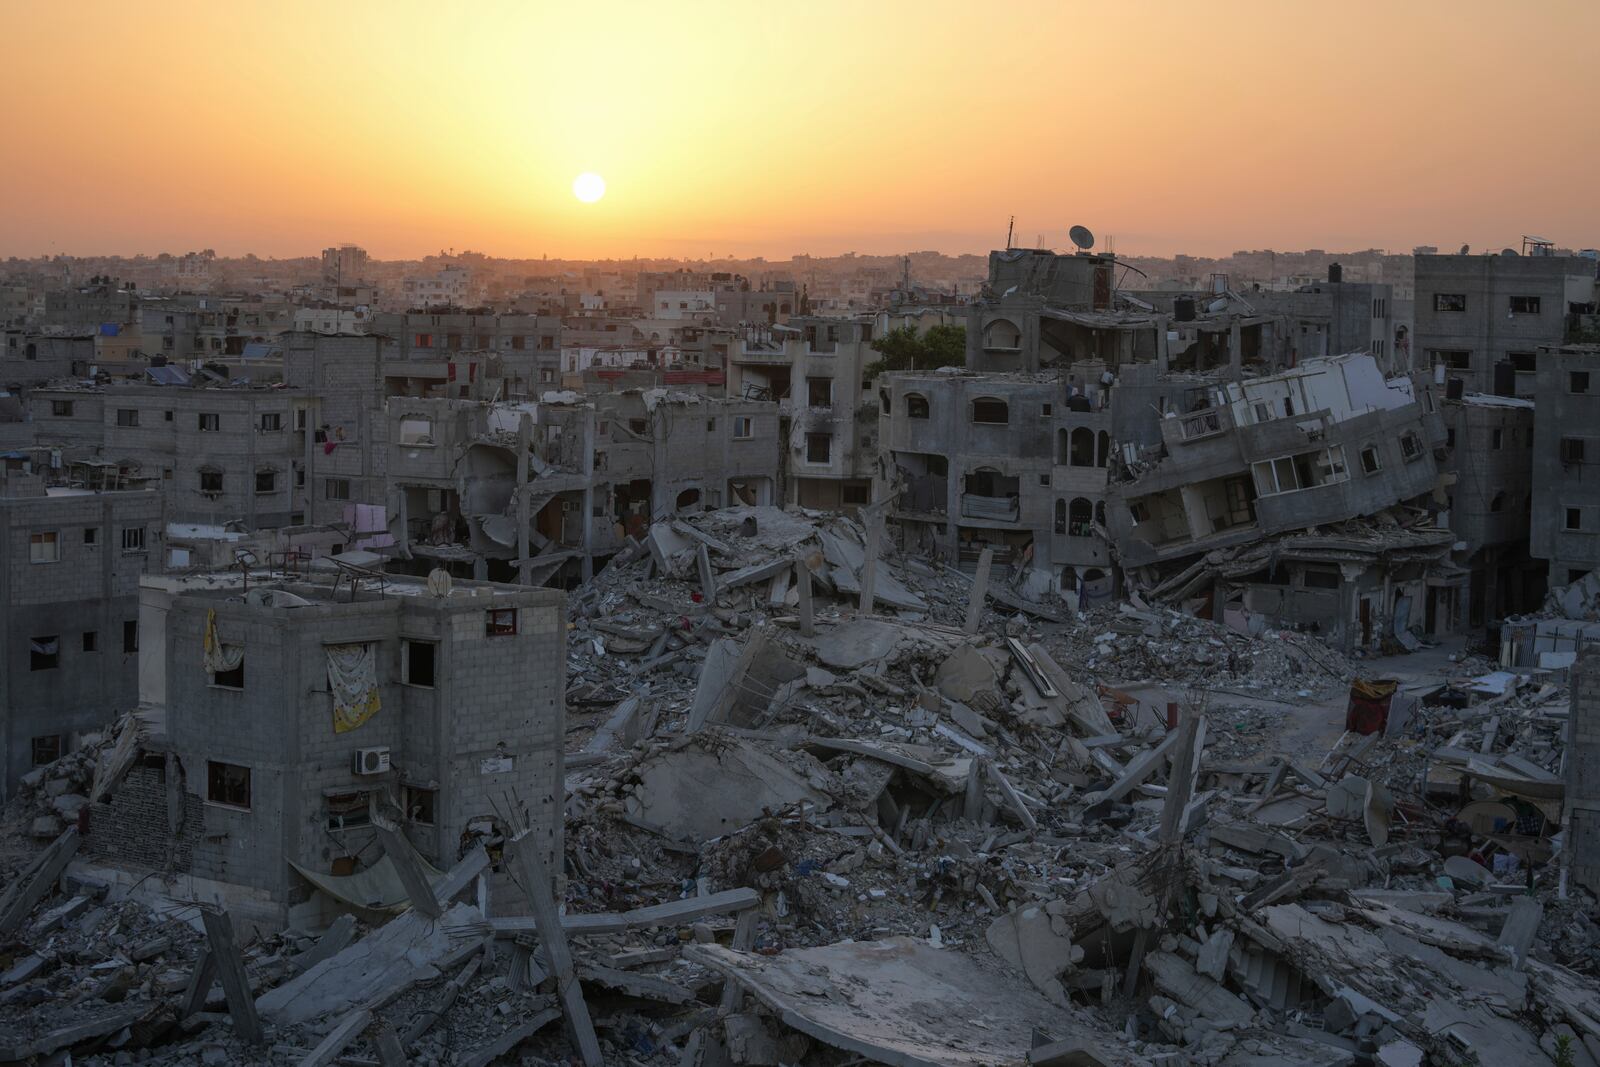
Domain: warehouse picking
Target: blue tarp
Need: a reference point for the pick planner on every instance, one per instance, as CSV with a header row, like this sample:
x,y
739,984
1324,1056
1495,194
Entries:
x,y
110,329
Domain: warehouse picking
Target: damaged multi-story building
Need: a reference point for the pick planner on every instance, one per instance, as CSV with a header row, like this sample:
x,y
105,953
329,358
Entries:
x,y
1482,325
1258,502
70,562
815,369
1195,456
535,491
1565,463
281,717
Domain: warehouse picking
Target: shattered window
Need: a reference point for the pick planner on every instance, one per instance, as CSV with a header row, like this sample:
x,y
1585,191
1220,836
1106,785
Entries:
x,y
500,622
1578,381
1410,445
44,547
819,447
228,784
1525,305
1574,518
991,411
1449,301
916,406
346,811
46,749
44,653
1369,460
419,804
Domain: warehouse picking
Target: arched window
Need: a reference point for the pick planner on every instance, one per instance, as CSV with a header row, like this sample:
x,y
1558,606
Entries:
x,y
1082,449
1061,516
1102,451
1080,518
688,499
991,410
916,406
1002,334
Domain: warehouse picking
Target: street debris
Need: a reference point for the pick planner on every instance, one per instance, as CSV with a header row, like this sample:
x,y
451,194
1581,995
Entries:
x,y
813,817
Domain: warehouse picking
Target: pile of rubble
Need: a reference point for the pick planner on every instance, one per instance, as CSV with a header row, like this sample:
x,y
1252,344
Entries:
x,y
825,805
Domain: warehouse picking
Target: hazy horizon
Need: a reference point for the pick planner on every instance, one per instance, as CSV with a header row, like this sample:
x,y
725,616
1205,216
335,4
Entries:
x,y
406,129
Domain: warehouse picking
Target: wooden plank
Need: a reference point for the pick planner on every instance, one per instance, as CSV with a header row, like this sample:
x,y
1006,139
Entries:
x,y
338,1039
523,854
230,969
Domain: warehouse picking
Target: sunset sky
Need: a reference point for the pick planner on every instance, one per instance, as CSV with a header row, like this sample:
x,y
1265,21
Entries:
x,y
758,129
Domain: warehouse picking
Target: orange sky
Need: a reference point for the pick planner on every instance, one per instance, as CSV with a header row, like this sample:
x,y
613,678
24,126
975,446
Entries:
x,y
822,127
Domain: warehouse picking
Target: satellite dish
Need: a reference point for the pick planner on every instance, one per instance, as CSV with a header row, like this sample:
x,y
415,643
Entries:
x,y
1509,252
439,582
1465,249
1082,237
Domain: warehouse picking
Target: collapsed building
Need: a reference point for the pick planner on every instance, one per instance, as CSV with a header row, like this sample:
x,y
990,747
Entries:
x,y
536,491
1257,502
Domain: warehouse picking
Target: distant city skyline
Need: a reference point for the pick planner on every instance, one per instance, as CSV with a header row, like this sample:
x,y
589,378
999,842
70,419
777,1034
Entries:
x,y
873,129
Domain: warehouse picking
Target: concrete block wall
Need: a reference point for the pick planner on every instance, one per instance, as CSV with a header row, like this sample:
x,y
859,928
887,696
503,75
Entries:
x,y
487,736
1583,770
92,588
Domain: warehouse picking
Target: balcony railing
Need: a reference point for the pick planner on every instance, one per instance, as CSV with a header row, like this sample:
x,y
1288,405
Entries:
x,y
1202,424
994,508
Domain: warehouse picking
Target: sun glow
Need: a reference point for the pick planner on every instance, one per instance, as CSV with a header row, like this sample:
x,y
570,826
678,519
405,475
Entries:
x,y
588,187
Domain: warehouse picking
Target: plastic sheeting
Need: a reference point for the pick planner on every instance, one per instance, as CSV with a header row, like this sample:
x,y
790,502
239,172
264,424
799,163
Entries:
x,y
378,888
219,658
353,677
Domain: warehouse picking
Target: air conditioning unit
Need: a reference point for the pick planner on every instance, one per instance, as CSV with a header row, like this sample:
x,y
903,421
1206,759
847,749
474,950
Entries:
x,y
372,760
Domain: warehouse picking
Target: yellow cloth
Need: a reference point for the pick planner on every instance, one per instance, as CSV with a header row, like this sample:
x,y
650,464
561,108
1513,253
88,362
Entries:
x,y
353,677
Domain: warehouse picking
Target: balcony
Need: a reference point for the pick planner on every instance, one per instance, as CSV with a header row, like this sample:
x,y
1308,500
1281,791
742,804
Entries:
x,y
991,508
1199,425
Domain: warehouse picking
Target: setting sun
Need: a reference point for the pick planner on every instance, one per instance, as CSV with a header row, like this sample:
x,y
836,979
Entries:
x,y
588,187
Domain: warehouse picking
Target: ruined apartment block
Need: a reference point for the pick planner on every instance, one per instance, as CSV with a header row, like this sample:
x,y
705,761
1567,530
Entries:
x,y
1285,457
561,484
526,349
219,454
1005,462
1489,499
1565,532
70,561
280,717
814,368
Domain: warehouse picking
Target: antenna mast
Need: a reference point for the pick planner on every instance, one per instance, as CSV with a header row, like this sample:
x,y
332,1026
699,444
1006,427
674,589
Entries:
x,y
1010,226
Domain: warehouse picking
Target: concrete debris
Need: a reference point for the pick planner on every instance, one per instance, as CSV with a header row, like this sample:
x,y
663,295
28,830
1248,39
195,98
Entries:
x,y
795,832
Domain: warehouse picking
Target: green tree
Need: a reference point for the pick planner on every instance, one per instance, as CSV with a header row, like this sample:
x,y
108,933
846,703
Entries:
x,y
904,349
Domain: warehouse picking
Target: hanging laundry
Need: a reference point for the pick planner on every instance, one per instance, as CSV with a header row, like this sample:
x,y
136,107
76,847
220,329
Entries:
x,y
353,677
219,658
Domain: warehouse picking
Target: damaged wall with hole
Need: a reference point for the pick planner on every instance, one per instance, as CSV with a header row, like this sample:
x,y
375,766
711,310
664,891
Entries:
x,y
315,709
599,470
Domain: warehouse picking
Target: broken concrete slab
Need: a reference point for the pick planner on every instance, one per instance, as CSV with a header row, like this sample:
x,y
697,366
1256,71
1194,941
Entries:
x,y
1025,939
401,951
701,792
1177,979
905,1003
852,645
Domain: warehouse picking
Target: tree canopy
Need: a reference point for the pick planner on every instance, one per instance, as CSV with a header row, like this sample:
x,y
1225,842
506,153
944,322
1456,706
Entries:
x,y
905,349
